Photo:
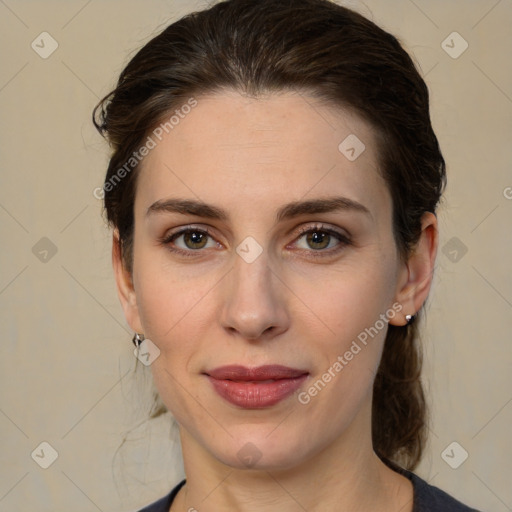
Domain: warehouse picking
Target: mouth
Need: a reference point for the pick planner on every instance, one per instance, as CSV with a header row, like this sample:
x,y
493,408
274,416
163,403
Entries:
x,y
256,388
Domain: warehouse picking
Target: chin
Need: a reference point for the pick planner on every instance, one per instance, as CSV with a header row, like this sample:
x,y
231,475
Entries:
x,y
257,450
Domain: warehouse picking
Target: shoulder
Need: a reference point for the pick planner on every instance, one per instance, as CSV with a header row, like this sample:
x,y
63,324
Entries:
x,y
428,498
163,504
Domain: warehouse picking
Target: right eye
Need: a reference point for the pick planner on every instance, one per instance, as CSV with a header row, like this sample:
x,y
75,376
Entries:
x,y
192,240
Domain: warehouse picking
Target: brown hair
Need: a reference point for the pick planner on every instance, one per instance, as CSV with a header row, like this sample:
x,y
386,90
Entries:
x,y
260,46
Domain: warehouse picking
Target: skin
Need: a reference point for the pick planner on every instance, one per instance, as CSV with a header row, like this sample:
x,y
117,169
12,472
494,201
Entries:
x,y
250,157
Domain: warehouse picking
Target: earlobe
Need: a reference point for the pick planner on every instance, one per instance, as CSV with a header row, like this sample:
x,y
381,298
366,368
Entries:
x,y
125,288
416,276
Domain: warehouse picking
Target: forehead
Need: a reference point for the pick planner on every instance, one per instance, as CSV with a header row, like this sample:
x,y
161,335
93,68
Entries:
x,y
237,151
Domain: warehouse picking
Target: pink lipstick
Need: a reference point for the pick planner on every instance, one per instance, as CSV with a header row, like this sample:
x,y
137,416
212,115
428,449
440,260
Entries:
x,y
256,388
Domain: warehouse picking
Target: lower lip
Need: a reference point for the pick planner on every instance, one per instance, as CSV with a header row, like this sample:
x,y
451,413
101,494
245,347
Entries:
x,y
256,395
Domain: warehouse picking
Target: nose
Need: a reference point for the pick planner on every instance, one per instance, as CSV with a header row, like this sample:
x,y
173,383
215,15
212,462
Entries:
x,y
254,298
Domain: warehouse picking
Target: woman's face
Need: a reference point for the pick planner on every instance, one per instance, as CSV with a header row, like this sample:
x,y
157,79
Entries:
x,y
306,287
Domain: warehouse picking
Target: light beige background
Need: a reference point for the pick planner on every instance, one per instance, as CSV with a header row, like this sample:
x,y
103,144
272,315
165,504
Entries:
x,y
66,354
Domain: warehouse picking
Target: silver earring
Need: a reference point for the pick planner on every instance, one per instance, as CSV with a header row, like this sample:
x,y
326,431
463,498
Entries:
x,y
138,339
410,319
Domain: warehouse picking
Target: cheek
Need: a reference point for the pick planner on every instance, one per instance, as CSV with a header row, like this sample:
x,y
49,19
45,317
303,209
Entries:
x,y
170,308
168,295
176,311
352,310
355,305
345,363
348,298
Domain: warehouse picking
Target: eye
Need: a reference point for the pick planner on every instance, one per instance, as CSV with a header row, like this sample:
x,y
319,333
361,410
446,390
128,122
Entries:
x,y
187,241
321,239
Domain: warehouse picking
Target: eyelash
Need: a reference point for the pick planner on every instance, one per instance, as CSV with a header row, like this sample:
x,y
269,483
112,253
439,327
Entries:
x,y
321,253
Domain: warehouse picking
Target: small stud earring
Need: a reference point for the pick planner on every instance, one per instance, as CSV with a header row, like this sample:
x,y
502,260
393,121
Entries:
x,y
138,339
410,319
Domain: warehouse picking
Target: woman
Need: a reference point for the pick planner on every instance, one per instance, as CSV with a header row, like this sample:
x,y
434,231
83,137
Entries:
x,y
272,189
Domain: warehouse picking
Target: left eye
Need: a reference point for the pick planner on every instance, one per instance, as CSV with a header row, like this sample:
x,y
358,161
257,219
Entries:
x,y
322,238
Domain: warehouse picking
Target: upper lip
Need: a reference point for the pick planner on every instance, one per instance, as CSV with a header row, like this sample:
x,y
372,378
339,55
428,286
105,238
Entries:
x,y
266,372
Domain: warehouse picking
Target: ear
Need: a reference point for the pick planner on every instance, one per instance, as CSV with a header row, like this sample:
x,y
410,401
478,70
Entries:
x,y
125,289
415,276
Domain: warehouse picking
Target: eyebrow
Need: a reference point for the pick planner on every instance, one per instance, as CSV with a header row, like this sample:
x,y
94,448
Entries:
x,y
286,212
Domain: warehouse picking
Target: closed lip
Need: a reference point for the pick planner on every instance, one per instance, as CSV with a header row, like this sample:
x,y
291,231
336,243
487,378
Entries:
x,y
259,373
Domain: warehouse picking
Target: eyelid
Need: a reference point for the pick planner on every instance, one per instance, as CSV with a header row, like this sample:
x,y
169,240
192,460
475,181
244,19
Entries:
x,y
319,226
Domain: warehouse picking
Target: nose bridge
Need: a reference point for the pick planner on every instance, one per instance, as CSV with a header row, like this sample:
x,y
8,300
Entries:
x,y
253,275
252,303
